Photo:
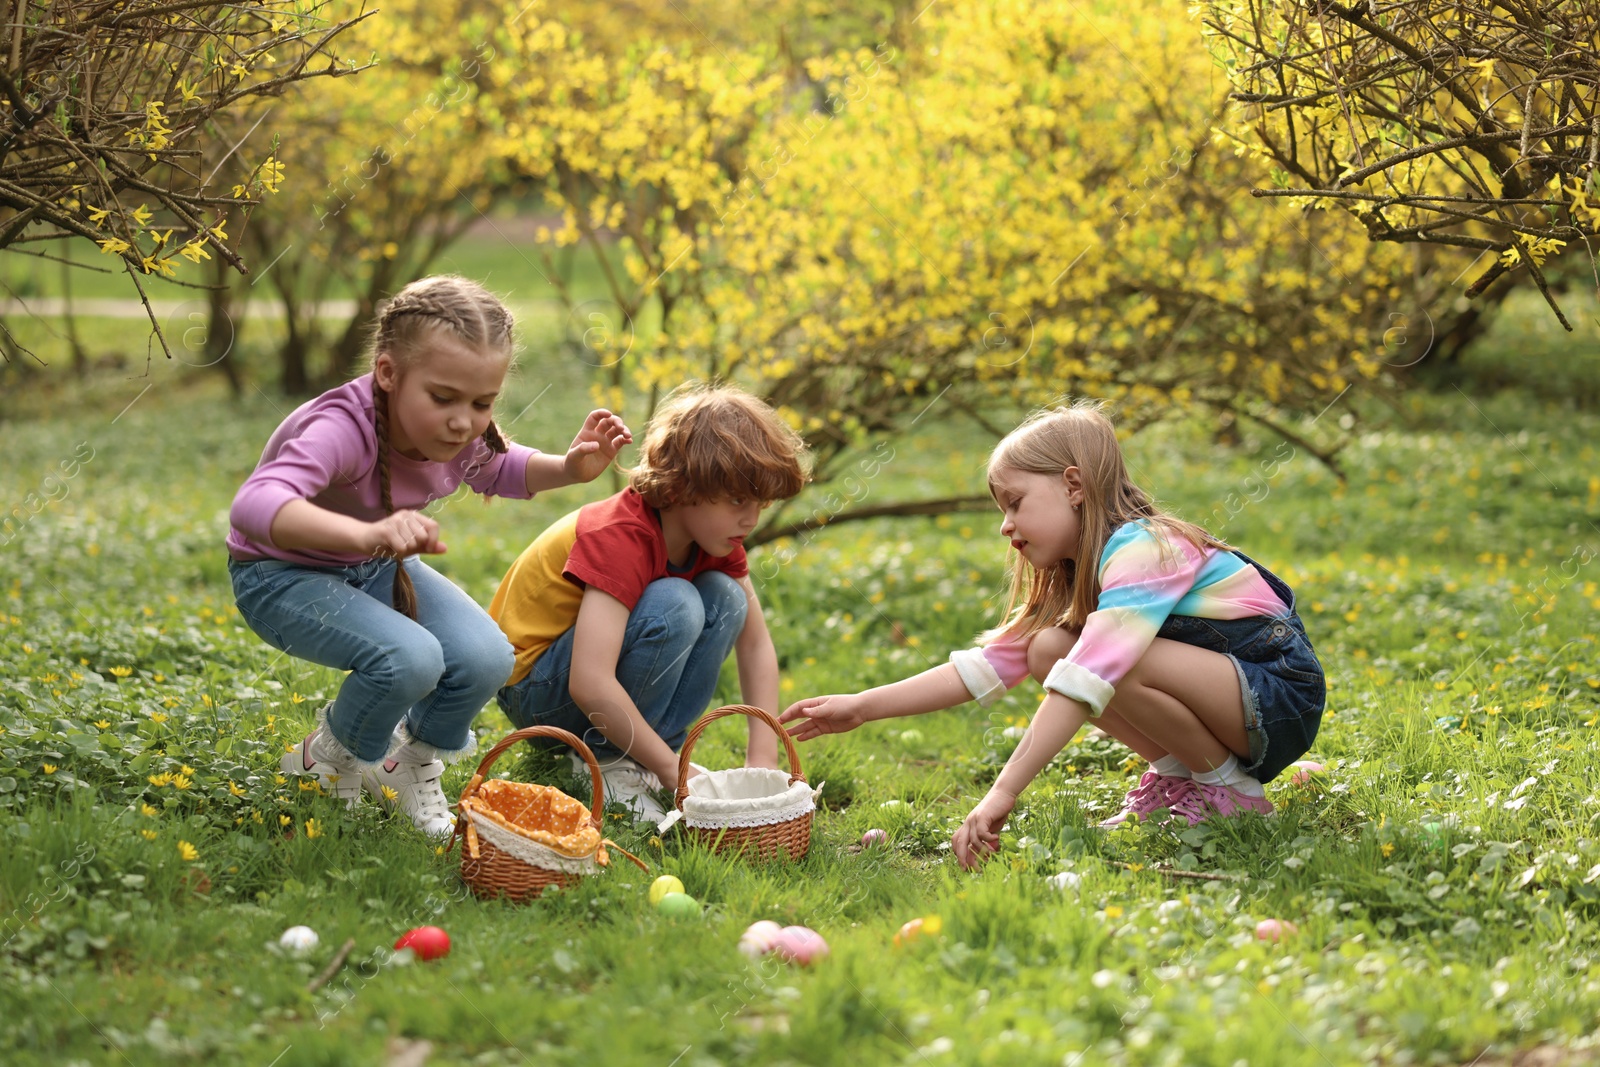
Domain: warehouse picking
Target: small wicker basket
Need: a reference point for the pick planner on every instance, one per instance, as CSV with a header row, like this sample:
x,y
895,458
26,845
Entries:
x,y
520,838
758,812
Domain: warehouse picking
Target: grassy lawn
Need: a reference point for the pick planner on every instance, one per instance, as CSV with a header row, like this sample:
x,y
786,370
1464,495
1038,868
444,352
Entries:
x,y
1444,873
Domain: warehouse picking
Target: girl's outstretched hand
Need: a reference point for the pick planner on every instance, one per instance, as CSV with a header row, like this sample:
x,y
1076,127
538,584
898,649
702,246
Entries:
x,y
405,533
835,714
599,440
979,837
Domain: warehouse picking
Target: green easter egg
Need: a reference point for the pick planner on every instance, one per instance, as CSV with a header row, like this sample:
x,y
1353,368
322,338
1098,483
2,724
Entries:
x,y
679,906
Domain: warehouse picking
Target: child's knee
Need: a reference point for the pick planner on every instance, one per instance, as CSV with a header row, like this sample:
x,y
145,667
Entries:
x,y
488,662
410,671
1047,648
724,599
671,606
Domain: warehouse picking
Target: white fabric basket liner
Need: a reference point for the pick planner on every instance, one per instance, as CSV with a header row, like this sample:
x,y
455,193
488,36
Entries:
x,y
530,852
745,796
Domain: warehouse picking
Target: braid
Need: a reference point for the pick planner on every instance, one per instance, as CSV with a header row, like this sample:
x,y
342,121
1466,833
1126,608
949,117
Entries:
x,y
494,438
404,597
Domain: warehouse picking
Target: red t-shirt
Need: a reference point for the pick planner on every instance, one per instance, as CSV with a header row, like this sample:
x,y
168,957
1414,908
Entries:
x,y
615,545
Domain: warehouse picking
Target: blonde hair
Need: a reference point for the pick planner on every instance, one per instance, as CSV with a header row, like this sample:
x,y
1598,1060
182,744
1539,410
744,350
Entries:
x,y
717,442
404,328
1048,442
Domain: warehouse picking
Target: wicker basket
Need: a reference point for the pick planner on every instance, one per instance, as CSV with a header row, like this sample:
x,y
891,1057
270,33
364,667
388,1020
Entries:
x,y
748,810
519,839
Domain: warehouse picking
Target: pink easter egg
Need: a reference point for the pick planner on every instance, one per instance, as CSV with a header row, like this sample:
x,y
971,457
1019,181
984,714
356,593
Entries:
x,y
874,837
1303,770
1275,929
759,938
801,945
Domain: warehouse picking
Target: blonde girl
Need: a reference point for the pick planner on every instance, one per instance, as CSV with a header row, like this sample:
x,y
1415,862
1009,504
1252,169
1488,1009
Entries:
x,y
327,533
1184,649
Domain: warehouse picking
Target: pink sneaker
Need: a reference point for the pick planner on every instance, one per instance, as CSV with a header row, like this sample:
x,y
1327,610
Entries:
x,y
1153,791
1201,801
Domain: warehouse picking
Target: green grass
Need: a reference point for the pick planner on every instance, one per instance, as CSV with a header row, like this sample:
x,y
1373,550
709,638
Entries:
x,y
1442,873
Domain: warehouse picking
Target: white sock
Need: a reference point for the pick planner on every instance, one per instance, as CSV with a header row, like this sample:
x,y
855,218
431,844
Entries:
x,y
1230,774
1171,766
414,751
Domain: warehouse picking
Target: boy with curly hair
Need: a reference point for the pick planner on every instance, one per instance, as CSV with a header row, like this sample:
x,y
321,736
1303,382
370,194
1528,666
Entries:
x,y
622,613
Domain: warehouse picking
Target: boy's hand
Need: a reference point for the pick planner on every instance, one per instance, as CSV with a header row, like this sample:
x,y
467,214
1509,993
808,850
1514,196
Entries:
x,y
979,836
405,533
602,436
835,714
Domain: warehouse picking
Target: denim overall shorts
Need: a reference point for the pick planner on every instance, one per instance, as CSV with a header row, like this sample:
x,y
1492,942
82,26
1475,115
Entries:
x,y
1282,681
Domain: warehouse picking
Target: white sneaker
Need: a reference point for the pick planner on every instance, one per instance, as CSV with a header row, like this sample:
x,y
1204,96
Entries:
x,y
632,786
410,781
339,775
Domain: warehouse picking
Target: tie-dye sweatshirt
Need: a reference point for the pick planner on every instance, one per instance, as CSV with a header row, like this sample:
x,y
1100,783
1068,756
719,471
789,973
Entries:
x,y
1141,583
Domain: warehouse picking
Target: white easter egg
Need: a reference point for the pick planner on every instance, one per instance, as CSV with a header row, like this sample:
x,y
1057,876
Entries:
x,y
299,939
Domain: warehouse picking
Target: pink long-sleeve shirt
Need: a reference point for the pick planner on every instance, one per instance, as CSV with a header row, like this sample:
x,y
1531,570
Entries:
x,y
1144,577
326,452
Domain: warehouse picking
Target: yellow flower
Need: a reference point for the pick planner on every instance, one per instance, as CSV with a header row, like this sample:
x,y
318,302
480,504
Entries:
x,y
280,779
389,794
159,780
271,174
186,769
188,851
1113,912
113,246
294,698
182,782
255,816
148,811
121,672
284,820
103,724
194,251
308,785
148,835
312,829
234,789
98,214
141,215
1387,850
50,768
157,717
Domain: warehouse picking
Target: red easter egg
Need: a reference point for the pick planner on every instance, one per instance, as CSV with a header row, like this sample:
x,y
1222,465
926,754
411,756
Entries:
x,y
1275,929
426,942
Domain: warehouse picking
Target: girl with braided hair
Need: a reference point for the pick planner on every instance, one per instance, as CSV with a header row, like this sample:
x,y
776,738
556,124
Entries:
x,y
327,533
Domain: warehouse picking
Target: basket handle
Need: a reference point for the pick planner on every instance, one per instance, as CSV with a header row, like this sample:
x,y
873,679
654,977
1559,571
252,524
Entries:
x,y
564,736
710,717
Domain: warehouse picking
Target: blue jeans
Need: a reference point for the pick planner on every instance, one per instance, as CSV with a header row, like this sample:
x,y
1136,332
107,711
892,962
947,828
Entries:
x,y
672,651
436,674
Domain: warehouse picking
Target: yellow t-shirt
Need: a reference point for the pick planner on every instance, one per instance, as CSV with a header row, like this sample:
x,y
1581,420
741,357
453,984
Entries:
x,y
615,545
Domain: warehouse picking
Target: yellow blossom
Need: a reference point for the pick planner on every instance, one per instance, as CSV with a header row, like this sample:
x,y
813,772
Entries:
x,y
148,811
188,852
148,835
312,829
121,672
103,724
50,768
